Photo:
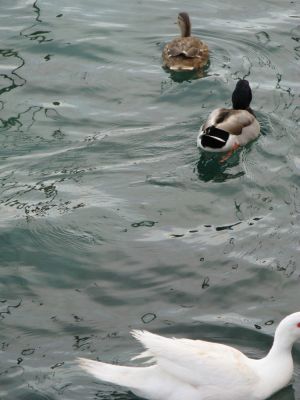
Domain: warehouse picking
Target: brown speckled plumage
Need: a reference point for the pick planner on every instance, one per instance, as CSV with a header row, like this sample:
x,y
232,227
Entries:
x,y
186,52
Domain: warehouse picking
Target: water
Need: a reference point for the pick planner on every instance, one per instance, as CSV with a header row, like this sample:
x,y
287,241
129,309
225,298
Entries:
x,y
110,217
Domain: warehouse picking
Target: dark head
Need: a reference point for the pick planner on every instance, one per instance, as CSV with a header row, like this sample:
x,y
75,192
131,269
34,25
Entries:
x,y
184,24
242,95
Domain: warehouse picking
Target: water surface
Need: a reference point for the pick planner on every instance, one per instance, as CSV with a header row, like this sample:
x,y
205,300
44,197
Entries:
x,y
110,217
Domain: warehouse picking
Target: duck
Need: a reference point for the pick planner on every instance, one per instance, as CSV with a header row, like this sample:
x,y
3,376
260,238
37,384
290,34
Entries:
x,y
226,129
186,53
202,370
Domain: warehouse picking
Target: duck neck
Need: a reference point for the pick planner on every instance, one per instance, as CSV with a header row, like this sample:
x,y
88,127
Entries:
x,y
185,29
282,345
276,369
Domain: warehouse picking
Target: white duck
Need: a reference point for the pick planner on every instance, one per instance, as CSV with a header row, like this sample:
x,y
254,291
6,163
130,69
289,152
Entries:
x,y
226,129
199,370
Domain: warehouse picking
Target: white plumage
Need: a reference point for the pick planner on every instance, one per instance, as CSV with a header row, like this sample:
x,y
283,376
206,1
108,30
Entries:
x,y
187,369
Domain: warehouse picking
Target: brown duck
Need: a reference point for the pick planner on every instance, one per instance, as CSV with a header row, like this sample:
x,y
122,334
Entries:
x,y
186,53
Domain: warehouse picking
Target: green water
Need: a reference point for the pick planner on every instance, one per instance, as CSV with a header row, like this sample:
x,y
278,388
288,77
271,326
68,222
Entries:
x,y
110,217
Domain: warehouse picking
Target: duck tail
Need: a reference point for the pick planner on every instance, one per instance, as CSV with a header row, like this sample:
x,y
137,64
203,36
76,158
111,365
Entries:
x,y
214,138
116,374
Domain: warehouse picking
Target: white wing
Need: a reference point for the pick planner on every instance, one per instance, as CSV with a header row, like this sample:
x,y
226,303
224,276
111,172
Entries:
x,y
231,121
197,362
212,118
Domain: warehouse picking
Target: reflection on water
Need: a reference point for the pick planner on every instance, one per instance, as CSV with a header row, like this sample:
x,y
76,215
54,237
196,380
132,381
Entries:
x,y
115,396
41,36
17,123
211,167
24,120
15,79
37,10
106,213
285,394
188,75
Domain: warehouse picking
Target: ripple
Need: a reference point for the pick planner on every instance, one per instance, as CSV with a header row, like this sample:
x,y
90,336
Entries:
x,y
111,218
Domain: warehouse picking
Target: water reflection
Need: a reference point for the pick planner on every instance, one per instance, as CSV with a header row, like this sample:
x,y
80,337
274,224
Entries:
x,y
39,35
91,203
21,196
15,80
285,394
246,69
210,167
115,396
24,120
182,76
37,10
16,121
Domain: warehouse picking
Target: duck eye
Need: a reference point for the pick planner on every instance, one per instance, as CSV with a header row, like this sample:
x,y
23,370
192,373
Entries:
x,y
298,324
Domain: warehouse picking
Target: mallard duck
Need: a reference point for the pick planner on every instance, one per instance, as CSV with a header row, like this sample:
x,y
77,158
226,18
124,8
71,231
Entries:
x,y
200,370
186,53
228,128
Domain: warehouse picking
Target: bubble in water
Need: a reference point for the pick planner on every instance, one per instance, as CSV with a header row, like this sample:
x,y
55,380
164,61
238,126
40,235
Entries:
x,y
149,317
262,37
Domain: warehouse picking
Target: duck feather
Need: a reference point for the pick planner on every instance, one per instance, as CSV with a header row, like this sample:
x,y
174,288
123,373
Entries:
x,y
229,120
180,356
227,129
200,370
186,52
